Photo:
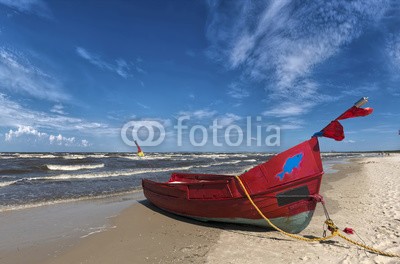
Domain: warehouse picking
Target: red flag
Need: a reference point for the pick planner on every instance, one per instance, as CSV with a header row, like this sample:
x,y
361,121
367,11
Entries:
x,y
333,130
355,112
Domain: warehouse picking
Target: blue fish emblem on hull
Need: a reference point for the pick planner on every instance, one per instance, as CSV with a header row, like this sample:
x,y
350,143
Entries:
x,y
290,164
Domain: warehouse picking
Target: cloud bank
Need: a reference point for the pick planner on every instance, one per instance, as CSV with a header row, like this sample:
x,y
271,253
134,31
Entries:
x,y
23,131
13,114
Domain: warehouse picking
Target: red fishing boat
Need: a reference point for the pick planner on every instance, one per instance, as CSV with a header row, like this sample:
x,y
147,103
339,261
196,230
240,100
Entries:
x,y
285,188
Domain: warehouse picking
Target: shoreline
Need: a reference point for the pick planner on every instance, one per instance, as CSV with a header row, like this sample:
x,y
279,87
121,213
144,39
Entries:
x,y
14,208
141,233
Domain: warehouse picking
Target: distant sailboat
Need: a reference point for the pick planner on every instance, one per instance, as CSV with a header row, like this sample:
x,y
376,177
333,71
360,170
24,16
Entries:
x,y
139,150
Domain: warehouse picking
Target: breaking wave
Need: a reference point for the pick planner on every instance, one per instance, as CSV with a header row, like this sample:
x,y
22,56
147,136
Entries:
x,y
7,183
36,156
105,174
75,157
74,167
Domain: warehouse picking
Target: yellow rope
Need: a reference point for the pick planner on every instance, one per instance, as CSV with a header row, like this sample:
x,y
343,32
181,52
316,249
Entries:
x,y
334,229
377,251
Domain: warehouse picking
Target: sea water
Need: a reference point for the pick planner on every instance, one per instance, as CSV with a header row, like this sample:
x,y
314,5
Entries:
x,y
33,179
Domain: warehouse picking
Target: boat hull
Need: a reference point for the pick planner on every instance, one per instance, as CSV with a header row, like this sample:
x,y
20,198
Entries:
x,y
282,188
290,215
292,224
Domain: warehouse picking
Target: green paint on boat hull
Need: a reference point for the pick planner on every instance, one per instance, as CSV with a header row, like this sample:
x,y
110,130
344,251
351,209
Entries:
x,y
292,224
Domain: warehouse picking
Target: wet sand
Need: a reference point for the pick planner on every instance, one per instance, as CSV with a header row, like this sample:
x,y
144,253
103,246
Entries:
x,y
363,194
33,235
143,234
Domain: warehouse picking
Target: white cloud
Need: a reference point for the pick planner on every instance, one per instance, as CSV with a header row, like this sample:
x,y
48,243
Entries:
x,y
291,123
288,109
17,74
279,43
28,131
23,130
207,116
366,89
120,66
85,143
237,91
13,114
37,7
301,104
290,126
58,109
61,140
198,114
228,119
94,59
393,50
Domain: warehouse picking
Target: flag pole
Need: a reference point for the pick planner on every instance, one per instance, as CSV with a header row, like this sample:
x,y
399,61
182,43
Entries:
x,y
357,104
361,102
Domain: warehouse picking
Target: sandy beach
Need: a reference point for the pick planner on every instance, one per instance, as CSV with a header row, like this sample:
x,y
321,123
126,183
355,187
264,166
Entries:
x,y
363,194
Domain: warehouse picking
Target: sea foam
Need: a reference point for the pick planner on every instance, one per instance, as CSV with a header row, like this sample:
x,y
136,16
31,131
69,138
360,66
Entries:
x,y
74,167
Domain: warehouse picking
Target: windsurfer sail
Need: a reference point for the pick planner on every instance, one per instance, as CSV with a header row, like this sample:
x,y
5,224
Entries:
x,y
139,150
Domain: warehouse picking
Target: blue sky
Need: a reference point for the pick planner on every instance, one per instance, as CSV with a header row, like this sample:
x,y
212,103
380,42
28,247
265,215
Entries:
x,y
72,74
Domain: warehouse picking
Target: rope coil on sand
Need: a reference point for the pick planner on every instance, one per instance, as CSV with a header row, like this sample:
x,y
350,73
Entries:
x,y
331,226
